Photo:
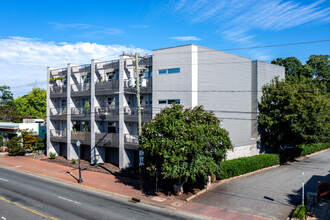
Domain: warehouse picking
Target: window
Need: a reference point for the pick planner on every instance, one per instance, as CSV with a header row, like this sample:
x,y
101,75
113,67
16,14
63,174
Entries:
x,y
162,71
169,71
174,70
169,101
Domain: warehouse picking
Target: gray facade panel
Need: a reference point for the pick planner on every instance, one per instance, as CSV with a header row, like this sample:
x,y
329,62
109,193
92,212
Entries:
x,y
224,85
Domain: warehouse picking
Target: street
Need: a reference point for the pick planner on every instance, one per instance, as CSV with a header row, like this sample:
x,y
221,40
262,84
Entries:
x,y
23,196
272,193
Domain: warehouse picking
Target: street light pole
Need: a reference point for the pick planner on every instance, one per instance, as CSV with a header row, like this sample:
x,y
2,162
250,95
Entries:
x,y
78,145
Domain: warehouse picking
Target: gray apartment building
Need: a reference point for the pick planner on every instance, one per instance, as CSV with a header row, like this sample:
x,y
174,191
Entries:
x,y
97,103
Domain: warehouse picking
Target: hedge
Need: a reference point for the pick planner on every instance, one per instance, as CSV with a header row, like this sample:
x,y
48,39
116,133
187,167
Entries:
x,y
236,167
301,150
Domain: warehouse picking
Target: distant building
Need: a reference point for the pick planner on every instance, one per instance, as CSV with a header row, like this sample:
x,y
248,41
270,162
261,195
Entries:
x,y
96,103
9,129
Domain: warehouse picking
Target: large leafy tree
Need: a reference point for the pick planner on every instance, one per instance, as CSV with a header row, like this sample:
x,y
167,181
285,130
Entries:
x,y
6,96
294,112
8,111
33,104
184,144
293,66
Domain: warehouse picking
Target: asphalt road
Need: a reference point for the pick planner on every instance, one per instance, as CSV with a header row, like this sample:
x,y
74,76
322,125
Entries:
x,y
23,196
272,193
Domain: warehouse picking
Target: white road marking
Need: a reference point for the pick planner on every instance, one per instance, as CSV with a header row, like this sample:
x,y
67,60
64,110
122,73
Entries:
x,y
3,218
4,180
69,200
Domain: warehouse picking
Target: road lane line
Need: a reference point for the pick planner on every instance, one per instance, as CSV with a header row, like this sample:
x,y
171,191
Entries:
x,y
3,218
69,200
27,209
4,180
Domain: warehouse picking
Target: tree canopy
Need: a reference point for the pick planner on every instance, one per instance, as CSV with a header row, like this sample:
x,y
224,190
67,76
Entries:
x,y
294,112
184,144
6,96
33,104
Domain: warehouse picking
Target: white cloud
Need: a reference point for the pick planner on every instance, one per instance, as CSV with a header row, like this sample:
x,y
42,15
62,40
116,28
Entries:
x,y
23,61
237,20
186,38
89,30
139,26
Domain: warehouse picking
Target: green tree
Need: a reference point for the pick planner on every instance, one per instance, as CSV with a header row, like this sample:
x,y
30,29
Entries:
x,y
6,96
318,67
294,112
184,144
293,66
15,146
33,104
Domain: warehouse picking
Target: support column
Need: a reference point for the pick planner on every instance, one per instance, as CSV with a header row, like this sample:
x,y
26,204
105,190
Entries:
x,y
123,159
97,152
49,145
71,153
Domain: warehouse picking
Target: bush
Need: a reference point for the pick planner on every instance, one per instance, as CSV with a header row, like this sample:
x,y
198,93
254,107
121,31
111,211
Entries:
x,y
312,148
15,146
236,167
183,145
290,154
74,161
299,212
52,155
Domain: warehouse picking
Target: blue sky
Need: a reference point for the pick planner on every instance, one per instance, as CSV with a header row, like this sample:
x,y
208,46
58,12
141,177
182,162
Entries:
x,y
35,34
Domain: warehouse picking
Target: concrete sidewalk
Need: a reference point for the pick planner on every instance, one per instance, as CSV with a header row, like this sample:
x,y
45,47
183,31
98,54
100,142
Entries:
x,y
118,186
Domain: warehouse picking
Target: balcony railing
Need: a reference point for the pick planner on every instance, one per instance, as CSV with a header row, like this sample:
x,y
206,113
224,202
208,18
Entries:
x,y
134,110
131,83
106,139
80,111
58,111
107,85
106,111
81,87
57,89
81,135
131,139
58,134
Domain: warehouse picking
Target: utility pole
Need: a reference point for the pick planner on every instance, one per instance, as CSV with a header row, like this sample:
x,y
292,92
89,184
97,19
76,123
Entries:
x,y
139,115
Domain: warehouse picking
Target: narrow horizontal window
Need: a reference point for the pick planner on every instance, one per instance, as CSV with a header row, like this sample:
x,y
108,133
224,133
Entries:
x,y
161,71
161,101
171,101
174,70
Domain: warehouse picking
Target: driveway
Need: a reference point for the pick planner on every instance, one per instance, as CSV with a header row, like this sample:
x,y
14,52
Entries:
x,y
272,193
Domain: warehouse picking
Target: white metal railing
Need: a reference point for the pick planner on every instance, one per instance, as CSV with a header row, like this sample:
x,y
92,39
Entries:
x,y
57,89
106,111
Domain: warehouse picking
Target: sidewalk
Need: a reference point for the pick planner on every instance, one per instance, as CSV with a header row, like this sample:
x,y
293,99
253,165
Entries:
x,y
125,188
322,210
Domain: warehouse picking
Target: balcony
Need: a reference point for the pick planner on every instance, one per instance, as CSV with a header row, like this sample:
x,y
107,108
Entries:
x,y
104,88
58,135
107,139
107,113
80,113
131,141
83,137
131,114
57,91
81,89
145,85
58,111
